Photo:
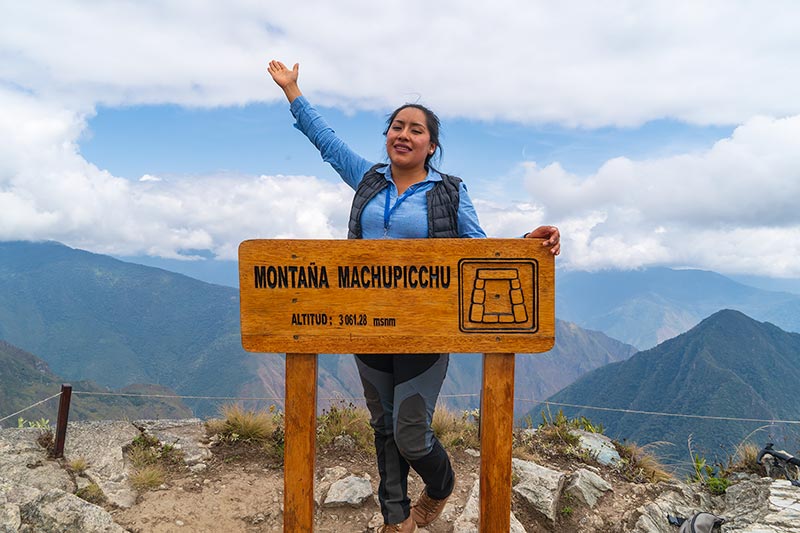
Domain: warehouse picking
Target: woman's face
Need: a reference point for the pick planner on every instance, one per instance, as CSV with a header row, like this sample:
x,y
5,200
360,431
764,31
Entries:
x,y
408,142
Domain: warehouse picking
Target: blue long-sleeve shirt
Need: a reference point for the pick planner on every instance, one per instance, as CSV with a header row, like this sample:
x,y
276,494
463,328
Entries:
x,y
387,215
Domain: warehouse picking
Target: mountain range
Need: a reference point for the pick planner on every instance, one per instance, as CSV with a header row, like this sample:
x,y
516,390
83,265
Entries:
x,y
25,380
648,306
728,366
92,317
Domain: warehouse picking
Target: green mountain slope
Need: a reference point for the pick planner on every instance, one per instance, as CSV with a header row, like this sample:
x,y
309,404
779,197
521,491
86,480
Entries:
x,y
25,380
729,365
646,307
92,317
96,318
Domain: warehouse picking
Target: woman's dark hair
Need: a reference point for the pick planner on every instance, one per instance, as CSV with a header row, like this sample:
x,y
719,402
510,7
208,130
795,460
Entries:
x,y
432,123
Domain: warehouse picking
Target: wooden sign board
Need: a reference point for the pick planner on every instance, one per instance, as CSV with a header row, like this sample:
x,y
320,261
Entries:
x,y
397,296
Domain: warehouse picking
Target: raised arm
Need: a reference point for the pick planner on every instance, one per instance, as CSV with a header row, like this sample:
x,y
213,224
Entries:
x,y
285,78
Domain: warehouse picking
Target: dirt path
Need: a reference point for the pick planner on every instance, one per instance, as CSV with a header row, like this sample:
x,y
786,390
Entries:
x,y
245,494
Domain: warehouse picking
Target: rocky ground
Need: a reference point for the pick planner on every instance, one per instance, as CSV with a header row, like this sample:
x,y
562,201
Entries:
x,y
232,488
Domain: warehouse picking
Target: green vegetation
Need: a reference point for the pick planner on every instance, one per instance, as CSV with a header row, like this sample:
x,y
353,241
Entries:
x,y
240,426
345,419
42,423
714,479
92,494
150,460
93,317
726,362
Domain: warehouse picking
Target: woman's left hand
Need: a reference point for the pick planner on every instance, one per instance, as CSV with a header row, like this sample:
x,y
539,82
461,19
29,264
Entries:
x,y
550,233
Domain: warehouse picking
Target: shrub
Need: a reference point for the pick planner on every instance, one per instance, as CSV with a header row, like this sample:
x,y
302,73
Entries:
x,y
345,419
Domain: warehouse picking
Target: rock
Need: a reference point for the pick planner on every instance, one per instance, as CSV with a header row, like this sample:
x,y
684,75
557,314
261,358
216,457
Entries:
x,y
587,487
57,511
677,499
468,521
24,462
749,499
329,476
101,445
539,486
185,435
352,491
473,453
599,446
344,442
198,468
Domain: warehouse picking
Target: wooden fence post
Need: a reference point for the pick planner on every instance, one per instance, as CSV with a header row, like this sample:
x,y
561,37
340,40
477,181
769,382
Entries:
x,y
61,424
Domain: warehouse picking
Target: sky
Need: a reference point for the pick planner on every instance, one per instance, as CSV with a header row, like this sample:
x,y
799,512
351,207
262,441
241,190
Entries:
x,y
652,133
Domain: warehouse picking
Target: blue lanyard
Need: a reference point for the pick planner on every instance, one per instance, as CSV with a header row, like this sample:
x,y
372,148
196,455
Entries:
x,y
387,211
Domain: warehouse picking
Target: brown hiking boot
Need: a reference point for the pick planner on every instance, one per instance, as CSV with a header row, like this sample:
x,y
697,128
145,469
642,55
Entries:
x,y
406,526
425,510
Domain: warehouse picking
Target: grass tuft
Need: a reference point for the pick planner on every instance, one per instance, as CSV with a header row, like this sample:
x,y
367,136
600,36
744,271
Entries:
x,y
638,465
454,430
78,466
342,419
148,477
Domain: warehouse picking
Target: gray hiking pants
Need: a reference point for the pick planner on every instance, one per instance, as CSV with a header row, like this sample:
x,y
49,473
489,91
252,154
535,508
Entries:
x,y
401,392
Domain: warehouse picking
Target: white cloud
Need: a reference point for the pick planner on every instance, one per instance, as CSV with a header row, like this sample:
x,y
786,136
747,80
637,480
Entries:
x,y
731,208
48,191
574,63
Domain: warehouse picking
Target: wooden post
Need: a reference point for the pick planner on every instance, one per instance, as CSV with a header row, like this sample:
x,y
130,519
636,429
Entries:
x,y
497,420
61,424
300,441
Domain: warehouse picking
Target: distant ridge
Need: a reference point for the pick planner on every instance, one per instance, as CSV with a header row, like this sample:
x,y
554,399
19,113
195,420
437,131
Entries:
x,y
90,316
729,365
25,380
648,306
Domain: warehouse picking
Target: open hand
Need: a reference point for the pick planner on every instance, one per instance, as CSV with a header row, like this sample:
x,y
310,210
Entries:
x,y
282,75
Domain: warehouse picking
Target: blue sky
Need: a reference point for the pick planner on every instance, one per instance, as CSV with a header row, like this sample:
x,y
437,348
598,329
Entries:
x,y
657,133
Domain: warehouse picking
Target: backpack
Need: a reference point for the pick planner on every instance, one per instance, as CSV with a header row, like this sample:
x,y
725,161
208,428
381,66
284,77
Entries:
x,y
701,523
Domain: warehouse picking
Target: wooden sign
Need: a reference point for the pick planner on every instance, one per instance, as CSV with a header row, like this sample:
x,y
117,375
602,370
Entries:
x,y
397,296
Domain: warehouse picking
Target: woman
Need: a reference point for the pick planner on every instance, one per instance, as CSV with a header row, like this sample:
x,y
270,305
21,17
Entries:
x,y
404,199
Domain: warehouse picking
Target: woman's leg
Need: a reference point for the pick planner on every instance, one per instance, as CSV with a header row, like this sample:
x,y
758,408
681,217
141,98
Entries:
x,y
378,381
418,379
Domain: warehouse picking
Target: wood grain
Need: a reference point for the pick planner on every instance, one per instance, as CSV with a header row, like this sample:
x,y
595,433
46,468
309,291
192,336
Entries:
x,y
399,296
300,440
497,421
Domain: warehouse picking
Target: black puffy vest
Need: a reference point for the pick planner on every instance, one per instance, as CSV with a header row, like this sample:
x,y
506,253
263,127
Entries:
x,y
442,199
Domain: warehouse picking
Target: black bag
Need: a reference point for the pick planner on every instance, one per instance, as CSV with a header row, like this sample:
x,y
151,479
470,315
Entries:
x,y
701,523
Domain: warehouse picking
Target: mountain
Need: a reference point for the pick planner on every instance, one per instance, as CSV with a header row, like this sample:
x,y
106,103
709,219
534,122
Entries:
x,y
92,317
729,365
25,380
537,376
646,307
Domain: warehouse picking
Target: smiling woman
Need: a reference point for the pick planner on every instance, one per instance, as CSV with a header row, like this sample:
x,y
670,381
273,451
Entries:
x,y
404,199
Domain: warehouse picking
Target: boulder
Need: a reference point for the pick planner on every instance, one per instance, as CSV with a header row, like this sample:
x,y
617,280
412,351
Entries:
x,y
540,487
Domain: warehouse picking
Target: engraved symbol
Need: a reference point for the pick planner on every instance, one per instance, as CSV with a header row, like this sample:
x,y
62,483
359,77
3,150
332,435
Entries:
x,y
497,297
